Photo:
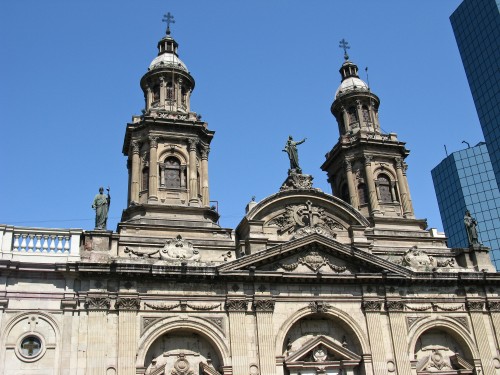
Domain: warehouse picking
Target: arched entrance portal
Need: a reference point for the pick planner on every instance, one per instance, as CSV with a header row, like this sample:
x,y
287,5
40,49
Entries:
x,y
182,352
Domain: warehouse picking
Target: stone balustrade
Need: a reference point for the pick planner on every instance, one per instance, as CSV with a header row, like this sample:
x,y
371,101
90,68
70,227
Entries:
x,y
40,245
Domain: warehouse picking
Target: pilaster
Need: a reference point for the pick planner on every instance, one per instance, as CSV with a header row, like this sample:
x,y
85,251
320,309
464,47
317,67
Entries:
x,y
375,335
236,309
204,171
476,313
96,335
399,336
134,189
353,196
68,358
127,341
153,169
264,309
372,190
407,210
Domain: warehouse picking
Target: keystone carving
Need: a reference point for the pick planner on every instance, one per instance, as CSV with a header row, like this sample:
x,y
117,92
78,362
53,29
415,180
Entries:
x,y
97,303
319,307
123,303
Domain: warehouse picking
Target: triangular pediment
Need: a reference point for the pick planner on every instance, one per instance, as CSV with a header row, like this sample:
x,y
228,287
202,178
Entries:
x,y
314,254
323,349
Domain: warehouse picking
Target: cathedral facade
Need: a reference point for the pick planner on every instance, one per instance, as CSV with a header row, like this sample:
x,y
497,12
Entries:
x,y
348,283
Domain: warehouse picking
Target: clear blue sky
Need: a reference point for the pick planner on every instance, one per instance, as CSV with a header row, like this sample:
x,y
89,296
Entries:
x,y
70,74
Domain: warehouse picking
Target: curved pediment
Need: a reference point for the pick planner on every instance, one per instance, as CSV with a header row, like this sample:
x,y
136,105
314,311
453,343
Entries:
x,y
293,214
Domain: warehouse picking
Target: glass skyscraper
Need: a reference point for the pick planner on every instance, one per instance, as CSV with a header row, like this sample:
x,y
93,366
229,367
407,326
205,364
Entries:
x,y
476,24
465,181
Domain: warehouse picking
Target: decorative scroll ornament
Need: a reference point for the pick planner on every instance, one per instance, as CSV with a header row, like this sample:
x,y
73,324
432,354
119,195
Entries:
x,y
305,219
236,305
263,305
314,261
123,303
97,303
319,307
176,249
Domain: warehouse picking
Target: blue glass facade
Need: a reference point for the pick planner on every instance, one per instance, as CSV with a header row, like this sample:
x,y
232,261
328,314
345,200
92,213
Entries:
x,y
465,181
476,24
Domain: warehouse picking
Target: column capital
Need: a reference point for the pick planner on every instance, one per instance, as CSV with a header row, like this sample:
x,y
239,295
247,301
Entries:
x,y
494,306
371,305
153,141
476,306
192,144
236,305
135,146
348,165
97,303
399,163
128,303
205,150
263,305
394,306
368,159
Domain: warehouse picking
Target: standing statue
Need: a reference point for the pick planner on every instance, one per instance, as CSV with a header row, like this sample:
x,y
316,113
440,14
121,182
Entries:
x,y
101,206
293,155
471,228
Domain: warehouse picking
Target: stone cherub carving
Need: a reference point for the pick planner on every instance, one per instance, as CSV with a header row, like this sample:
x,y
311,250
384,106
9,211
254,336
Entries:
x,y
293,155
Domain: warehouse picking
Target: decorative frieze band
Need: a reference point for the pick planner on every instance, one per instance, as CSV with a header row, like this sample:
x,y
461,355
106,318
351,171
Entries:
x,y
372,305
236,305
123,303
263,305
97,303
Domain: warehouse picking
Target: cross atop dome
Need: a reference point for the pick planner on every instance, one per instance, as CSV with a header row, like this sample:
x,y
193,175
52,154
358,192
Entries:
x,y
168,18
344,44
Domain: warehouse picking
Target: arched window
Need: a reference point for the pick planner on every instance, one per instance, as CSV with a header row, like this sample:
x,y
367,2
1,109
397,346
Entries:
x,y
366,114
384,188
362,194
156,93
353,117
170,91
145,178
172,173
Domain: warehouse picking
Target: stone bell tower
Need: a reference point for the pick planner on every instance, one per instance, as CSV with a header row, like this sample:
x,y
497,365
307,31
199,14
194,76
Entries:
x,y
366,167
167,149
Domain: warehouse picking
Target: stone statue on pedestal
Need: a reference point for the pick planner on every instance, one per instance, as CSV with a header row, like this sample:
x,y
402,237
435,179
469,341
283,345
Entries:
x,y
101,206
293,155
471,228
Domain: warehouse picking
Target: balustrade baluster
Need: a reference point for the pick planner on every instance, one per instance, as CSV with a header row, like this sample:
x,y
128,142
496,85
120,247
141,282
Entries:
x,y
66,244
38,243
52,246
16,242
30,243
59,244
45,246
23,242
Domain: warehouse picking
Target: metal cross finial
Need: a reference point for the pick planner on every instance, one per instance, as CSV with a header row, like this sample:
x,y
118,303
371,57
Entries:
x,y
345,45
168,18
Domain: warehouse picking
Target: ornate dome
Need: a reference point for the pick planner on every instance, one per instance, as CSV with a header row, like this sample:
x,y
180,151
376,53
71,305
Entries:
x,y
169,60
351,84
